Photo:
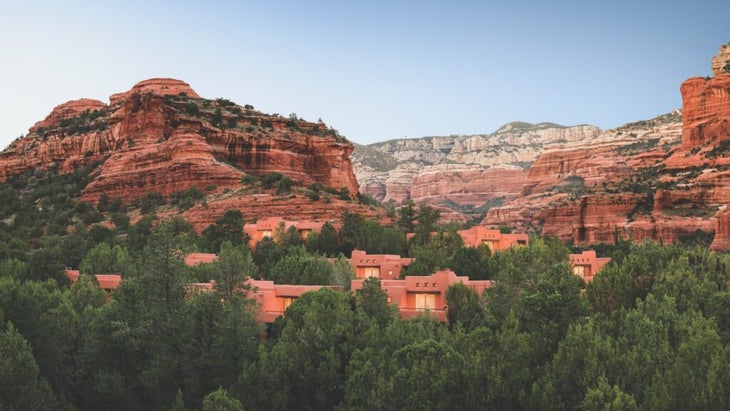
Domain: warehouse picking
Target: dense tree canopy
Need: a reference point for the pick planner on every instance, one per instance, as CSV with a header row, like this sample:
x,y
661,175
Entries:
x,y
651,331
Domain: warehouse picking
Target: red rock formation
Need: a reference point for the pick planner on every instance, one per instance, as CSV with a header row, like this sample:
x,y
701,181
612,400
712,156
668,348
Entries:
x,y
466,185
644,189
160,136
705,112
158,86
374,189
721,62
722,232
398,184
66,111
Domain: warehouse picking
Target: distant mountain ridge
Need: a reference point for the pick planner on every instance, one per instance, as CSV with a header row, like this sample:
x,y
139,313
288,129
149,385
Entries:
x,y
403,169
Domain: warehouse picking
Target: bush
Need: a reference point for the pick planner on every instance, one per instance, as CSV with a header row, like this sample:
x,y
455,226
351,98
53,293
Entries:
x,y
269,180
149,202
283,186
248,179
185,199
313,195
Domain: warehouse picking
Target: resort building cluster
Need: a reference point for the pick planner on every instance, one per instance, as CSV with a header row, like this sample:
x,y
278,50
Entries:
x,y
411,294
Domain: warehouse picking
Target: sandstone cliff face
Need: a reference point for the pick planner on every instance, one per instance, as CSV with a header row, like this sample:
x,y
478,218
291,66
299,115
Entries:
x,y
721,62
465,185
592,191
460,173
661,179
161,136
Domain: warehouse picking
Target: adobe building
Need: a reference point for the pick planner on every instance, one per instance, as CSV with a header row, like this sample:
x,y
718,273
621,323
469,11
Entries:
x,y
416,295
494,239
383,266
586,264
266,227
107,282
274,299
271,299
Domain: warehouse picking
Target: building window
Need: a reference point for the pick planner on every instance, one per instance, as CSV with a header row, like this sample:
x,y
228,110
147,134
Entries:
x,y
491,244
579,270
371,272
286,302
266,233
425,301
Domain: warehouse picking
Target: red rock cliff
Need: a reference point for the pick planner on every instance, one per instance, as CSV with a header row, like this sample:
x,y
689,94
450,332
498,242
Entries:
x,y
660,179
162,136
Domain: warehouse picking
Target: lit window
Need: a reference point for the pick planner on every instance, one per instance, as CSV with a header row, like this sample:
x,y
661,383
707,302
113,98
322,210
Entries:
x,y
372,272
425,301
286,302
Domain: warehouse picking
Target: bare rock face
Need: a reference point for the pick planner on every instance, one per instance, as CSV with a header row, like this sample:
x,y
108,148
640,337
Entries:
x,y
459,171
706,112
157,86
398,182
161,136
466,185
589,191
721,241
721,62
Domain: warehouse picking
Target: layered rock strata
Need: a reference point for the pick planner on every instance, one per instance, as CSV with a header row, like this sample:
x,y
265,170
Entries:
x,y
161,136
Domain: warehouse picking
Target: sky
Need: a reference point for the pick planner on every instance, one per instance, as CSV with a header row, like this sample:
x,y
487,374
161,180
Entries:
x,y
374,70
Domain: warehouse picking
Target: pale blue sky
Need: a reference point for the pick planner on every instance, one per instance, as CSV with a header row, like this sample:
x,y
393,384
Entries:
x,y
374,70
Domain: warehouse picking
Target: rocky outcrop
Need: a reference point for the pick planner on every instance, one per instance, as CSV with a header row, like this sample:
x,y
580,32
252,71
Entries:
x,y
721,62
661,179
66,111
156,86
615,152
399,181
459,171
721,241
465,185
593,191
161,136
706,112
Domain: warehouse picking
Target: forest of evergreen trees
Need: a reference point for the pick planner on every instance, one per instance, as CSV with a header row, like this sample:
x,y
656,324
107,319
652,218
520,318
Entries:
x,y
651,331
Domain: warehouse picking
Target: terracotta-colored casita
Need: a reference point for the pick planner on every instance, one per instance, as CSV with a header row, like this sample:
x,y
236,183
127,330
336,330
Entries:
x,y
274,299
107,282
383,266
271,299
494,239
424,294
586,264
266,227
